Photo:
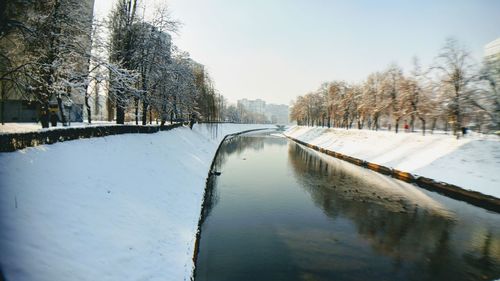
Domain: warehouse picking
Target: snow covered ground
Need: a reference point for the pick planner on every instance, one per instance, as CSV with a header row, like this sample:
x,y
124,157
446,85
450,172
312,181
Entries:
x,y
112,208
472,162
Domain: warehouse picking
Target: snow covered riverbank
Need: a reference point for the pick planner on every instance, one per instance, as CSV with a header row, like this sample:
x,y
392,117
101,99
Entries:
x,y
113,208
472,162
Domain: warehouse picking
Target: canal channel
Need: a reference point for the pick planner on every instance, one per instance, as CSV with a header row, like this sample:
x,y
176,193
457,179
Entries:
x,y
281,211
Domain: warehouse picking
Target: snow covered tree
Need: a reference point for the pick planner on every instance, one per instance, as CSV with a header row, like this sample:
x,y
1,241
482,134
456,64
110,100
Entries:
x,y
175,92
124,36
456,76
232,114
416,99
490,73
151,54
120,83
373,99
207,100
298,111
354,94
51,62
335,100
143,46
392,102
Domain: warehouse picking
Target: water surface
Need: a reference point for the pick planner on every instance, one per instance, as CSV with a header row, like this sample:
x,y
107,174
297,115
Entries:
x,y
280,211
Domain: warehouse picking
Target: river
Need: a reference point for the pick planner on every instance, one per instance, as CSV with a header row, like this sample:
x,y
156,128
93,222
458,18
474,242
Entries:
x,y
281,211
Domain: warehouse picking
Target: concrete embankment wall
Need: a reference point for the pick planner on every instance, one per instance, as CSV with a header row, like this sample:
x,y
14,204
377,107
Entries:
x,y
13,141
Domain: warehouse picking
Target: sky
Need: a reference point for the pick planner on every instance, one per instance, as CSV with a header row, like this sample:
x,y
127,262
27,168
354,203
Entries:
x,y
276,50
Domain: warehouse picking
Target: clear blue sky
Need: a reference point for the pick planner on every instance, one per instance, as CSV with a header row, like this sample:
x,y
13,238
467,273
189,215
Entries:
x,y
278,49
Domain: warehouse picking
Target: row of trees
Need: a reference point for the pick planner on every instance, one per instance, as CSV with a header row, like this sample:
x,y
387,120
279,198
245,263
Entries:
x,y
452,93
159,77
54,51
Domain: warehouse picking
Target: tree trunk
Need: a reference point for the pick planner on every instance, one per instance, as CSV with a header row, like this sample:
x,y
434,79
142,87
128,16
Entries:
x,y
2,108
53,50
44,114
2,103
423,126
87,105
458,122
120,113
136,106
145,112
61,110
110,108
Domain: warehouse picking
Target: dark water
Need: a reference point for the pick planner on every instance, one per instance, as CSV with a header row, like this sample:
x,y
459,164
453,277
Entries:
x,y
280,211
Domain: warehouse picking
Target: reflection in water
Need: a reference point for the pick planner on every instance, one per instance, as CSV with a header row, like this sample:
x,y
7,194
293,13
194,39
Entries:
x,y
232,146
355,186
210,199
398,220
283,212
238,144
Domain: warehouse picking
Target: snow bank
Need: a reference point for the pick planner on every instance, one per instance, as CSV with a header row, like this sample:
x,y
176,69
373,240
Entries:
x,y
113,208
472,162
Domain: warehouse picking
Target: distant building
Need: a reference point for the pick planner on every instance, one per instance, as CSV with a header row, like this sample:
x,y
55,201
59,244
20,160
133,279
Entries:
x,y
253,106
492,50
277,113
274,113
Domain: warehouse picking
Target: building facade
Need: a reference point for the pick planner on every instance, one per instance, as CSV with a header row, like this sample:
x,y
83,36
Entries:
x,y
254,106
278,113
492,50
274,113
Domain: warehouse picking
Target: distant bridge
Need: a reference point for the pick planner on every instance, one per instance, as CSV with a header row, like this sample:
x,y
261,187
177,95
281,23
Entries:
x,y
280,127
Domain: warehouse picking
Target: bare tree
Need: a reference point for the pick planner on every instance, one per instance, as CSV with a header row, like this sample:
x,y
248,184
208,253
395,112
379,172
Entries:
x,y
490,73
455,74
124,34
392,97
374,100
451,92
